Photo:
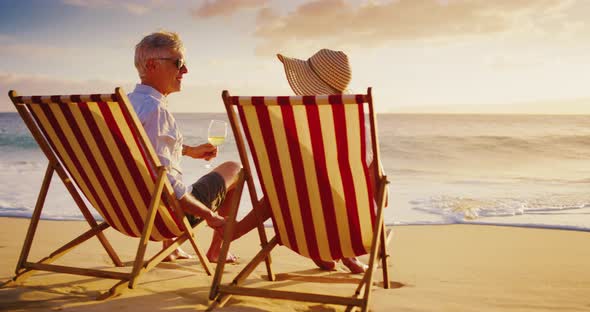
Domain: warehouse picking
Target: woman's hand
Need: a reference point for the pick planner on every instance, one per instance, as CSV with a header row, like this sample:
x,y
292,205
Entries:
x,y
205,151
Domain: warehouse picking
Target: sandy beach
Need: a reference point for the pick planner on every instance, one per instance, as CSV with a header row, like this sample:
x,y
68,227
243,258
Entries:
x,y
433,268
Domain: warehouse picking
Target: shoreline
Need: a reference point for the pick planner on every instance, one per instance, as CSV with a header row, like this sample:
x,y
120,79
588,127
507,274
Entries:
x,y
454,267
480,223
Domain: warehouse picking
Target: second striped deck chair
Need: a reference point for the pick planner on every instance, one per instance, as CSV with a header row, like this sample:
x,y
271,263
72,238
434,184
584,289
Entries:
x,y
99,149
309,153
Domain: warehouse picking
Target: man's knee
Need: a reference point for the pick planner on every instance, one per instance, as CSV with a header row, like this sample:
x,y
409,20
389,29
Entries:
x,y
230,167
229,171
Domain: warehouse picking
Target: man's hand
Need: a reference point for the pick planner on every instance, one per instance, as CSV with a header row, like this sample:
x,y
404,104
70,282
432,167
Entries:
x,y
215,221
189,204
205,151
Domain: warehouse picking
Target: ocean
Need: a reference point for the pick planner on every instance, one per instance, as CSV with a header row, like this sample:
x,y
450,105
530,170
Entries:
x,y
517,170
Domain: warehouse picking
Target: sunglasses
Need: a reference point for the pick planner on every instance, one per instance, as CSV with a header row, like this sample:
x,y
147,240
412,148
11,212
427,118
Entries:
x,y
178,62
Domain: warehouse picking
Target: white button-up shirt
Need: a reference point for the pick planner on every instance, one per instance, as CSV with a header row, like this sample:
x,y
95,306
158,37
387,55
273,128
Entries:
x,y
151,107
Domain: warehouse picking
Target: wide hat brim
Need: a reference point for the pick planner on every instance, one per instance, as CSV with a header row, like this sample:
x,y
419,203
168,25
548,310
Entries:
x,y
302,79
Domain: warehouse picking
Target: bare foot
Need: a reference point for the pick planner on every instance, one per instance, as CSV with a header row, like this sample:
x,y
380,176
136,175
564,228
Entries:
x,y
325,265
354,265
215,249
178,254
214,257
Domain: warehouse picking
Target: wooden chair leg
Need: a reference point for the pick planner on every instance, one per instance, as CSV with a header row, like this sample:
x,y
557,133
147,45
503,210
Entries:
x,y
379,228
24,273
369,279
115,291
228,234
110,250
148,226
361,285
220,298
219,302
34,220
261,255
384,256
158,257
202,259
87,215
267,259
264,241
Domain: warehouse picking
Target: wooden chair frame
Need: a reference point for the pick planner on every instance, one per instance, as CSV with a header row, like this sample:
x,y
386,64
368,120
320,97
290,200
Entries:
x,y
25,268
220,294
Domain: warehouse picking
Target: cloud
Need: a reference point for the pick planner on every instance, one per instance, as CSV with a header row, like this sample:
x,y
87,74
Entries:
x,y
526,60
136,9
46,85
133,7
225,7
510,62
35,50
5,38
338,23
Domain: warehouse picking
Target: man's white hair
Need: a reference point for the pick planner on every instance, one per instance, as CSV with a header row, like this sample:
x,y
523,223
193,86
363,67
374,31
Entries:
x,y
156,45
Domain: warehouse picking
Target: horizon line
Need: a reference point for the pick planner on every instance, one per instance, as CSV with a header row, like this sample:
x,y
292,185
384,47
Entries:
x,y
410,113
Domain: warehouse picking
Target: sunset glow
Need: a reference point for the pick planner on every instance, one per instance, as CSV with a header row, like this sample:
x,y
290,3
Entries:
x,y
422,56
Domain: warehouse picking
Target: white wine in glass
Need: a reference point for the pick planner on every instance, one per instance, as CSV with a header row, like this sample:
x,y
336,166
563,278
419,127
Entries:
x,y
216,135
216,140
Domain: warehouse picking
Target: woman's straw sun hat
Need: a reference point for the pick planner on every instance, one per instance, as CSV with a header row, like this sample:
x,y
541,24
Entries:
x,y
325,72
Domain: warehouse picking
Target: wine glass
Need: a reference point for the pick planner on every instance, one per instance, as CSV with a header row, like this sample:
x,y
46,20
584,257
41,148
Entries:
x,y
216,135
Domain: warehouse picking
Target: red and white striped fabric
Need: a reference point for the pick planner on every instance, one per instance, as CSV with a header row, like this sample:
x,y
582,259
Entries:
x,y
309,153
97,140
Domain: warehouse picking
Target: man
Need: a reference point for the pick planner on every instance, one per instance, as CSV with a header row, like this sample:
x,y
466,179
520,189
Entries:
x,y
159,59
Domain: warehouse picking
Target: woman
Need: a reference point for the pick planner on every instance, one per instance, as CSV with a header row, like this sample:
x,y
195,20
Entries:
x,y
325,72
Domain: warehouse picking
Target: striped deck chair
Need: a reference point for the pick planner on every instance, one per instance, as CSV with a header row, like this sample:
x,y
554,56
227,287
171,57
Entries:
x,y
100,151
309,154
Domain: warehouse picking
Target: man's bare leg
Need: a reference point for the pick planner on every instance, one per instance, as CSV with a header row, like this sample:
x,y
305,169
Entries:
x,y
229,172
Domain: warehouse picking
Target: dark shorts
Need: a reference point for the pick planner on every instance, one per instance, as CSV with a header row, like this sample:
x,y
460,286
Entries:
x,y
210,190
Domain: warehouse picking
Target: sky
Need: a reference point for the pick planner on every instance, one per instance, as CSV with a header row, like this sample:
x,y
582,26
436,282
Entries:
x,y
419,56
